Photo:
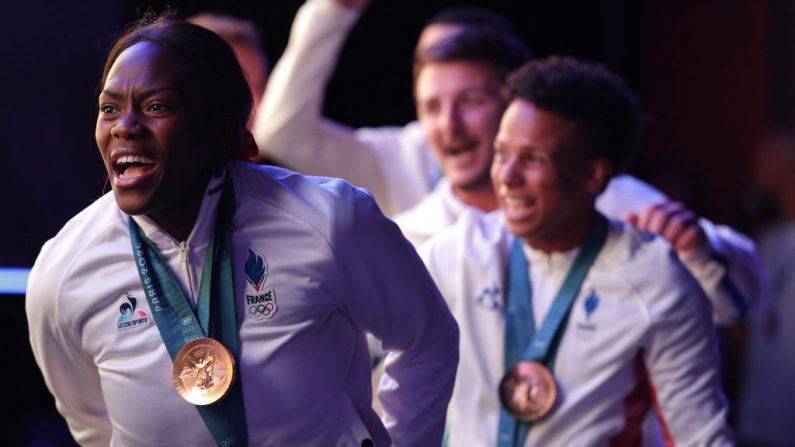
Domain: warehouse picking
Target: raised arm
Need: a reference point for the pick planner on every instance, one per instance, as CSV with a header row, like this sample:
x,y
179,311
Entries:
x,y
288,126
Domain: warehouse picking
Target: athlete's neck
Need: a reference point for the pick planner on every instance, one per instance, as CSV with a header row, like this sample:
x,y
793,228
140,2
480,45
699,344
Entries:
x,y
566,236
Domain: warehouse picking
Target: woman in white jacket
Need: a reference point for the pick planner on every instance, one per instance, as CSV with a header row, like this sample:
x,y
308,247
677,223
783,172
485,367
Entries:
x,y
210,301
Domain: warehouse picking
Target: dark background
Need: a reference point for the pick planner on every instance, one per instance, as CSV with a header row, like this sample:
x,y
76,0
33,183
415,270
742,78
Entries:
x,y
714,76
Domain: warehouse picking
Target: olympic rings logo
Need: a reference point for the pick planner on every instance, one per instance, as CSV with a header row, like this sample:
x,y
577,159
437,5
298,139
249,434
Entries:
x,y
262,311
187,320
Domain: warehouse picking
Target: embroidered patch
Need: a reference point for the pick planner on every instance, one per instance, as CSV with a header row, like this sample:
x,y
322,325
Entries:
x,y
260,301
589,305
490,298
263,305
131,316
256,270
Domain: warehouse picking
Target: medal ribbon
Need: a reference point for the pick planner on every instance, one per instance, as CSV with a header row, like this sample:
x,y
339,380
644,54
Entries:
x,y
178,324
522,342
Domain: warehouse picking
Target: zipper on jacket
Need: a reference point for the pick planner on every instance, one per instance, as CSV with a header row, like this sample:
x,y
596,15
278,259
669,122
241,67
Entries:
x,y
185,258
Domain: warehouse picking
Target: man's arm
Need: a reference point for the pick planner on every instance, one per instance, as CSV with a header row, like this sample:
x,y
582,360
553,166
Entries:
x,y
683,362
724,262
391,295
68,372
288,126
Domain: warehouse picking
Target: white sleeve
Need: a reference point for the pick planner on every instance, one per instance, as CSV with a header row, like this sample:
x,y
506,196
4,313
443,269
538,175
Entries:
x,y
683,361
288,125
729,272
626,194
391,295
69,373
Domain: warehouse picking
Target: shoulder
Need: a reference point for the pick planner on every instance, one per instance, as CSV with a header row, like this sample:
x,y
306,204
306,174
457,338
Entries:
x,y
646,266
431,215
468,256
475,238
88,239
327,204
290,190
627,246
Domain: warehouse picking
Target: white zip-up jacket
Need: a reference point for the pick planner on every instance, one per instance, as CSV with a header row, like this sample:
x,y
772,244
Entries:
x,y
397,166
643,340
335,268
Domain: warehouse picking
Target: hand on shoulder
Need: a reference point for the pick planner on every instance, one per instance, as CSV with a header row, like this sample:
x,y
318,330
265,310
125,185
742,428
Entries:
x,y
674,222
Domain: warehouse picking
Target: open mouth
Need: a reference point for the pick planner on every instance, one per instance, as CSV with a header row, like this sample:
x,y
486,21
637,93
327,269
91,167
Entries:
x,y
517,204
460,149
514,204
133,166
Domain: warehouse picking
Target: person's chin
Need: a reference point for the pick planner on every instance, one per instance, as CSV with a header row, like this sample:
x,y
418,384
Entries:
x,y
132,203
469,180
520,223
521,230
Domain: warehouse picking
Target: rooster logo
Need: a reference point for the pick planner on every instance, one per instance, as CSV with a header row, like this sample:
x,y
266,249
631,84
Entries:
x,y
131,316
256,270
128,308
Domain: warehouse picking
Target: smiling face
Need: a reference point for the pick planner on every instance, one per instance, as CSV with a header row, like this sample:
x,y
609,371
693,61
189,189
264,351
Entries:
x,y
155,135
459,107
544,187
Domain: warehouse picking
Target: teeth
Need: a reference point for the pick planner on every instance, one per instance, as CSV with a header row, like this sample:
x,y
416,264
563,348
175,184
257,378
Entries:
x,y
515,202
512,201
460,147
134,159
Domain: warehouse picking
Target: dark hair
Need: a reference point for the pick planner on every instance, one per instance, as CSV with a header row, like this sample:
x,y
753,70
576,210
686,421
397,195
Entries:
x,y
502,51
585,93
213,62
474,17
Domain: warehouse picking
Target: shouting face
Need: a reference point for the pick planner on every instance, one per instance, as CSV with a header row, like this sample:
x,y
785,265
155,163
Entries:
x,y
155,134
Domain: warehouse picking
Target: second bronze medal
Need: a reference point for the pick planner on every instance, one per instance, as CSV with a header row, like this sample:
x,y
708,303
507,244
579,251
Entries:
x,y
528,391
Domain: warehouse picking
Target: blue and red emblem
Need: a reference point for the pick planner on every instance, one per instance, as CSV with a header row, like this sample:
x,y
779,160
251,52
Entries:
x,y
260,300
256,270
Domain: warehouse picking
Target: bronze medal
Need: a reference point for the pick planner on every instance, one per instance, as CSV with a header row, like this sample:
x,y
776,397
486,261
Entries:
x,y
203,371
528,391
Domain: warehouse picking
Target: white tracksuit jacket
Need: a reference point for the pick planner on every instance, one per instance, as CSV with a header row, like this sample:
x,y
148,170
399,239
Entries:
x,y
337,269
647,342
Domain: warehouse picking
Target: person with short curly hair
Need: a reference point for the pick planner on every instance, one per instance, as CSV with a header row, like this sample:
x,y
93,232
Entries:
x,y
573,325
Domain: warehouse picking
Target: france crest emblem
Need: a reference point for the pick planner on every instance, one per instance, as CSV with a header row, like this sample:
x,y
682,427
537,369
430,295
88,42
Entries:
x,y
260,300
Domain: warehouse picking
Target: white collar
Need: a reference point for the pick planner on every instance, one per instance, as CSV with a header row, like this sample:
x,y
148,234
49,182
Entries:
x,y
205,221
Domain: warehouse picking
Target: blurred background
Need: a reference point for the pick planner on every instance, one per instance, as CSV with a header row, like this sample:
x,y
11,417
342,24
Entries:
x,y
715,77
